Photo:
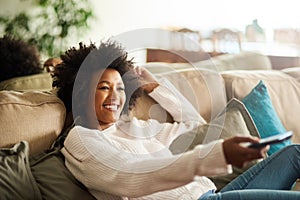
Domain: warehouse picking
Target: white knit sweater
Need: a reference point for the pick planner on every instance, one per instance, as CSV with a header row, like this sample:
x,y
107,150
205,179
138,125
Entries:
x,y
131,159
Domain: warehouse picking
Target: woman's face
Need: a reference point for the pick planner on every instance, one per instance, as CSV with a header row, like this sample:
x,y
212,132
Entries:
x,y
109,98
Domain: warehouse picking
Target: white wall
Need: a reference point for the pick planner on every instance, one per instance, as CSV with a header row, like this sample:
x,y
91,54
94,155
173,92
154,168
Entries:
x,y
117,16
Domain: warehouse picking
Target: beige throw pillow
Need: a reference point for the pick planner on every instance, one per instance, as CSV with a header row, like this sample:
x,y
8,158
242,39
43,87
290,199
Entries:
x,y
42,82
34,116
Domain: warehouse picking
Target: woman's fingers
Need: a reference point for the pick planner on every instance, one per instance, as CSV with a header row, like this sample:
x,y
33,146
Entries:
x,y
239,155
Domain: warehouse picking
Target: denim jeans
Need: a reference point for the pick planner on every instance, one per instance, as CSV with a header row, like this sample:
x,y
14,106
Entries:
x,y
271,179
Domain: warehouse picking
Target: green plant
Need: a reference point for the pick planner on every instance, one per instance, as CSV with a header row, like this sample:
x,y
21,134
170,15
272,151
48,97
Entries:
x,y
51,25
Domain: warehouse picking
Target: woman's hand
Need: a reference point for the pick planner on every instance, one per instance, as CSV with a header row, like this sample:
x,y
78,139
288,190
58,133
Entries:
x,y
147,80
239,155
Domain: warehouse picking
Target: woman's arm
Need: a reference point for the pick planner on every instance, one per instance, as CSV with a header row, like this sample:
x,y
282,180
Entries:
x,y
168,97
163,92
101,166
175,103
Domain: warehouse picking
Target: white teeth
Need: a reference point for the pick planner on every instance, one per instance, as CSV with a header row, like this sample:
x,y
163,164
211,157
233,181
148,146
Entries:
x,y
111,107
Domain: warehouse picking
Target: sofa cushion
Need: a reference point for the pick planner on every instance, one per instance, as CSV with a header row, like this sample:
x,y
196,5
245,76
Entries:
x,y
283,89
34,116
245,60
42,81
232,121
265,117
43,176
54,180
293,71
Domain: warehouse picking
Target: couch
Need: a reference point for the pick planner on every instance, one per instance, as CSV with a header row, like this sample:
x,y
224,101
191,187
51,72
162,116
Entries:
x,y
32,119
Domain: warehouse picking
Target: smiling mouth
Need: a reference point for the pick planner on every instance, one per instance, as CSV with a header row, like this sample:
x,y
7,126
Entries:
x,y
111,107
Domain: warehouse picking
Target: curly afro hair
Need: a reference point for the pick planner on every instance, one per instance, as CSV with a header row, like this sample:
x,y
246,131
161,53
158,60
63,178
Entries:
x,y
78,67
18,58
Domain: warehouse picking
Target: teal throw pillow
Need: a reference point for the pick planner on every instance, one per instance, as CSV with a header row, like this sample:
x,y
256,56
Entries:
x,y
261,109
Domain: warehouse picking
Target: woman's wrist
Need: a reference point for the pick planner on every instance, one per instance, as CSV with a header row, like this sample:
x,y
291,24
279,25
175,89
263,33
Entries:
x,y
149,87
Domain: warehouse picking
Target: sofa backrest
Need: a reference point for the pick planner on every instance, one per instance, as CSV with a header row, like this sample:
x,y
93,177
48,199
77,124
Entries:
x,y
245,60
242,61
203,88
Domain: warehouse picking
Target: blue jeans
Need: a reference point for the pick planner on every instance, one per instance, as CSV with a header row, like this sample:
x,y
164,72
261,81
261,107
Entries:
x,y
270,179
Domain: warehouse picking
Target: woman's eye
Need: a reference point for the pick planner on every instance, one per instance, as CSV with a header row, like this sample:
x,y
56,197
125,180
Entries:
x,y
121,88
103,88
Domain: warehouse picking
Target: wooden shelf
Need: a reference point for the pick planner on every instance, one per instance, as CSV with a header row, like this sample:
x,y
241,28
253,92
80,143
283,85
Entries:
x,y
175,56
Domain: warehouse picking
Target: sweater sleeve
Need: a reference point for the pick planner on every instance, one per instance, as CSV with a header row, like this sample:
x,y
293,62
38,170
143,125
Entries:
x,y
175,103
183,112
101,167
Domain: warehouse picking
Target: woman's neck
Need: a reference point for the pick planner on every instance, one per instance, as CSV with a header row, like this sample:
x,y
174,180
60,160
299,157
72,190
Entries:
x,y
102,127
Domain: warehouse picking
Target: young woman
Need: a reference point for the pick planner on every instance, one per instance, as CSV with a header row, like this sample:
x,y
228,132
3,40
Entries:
x,y
129,158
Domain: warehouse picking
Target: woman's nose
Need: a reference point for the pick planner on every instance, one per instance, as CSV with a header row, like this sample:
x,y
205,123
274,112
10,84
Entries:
x,y
114,94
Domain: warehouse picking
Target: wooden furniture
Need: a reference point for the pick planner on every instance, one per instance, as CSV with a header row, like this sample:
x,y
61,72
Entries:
x,y
226,41
282,55
169,56
185,39
175,56
282,62
287,36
